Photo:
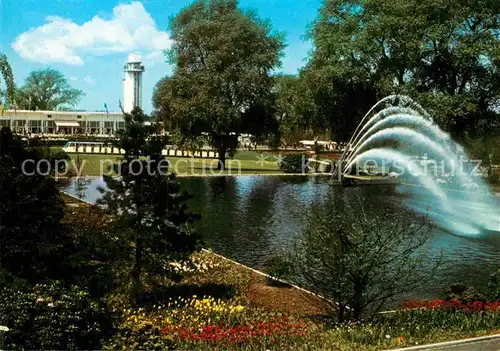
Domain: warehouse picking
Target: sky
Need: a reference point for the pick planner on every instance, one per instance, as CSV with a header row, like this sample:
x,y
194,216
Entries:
x,y
89,40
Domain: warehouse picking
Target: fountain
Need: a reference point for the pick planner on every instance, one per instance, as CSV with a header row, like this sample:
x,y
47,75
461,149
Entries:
x,y
397,132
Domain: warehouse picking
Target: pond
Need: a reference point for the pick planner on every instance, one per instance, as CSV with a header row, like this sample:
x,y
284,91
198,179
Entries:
x,y
248,218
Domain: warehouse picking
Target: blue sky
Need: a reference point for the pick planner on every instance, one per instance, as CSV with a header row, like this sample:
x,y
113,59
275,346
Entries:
x,y
89,40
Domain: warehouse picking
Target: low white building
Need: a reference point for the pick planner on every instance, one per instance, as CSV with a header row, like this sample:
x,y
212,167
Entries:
x,y
62,122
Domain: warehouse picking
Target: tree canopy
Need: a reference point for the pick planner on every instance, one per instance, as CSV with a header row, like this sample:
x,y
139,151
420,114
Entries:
x,y
222,82
148,205
444,54
8,78
46,89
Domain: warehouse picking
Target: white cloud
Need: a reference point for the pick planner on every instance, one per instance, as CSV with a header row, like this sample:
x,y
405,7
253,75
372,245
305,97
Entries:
x,y
61,40
73,78
89,80
154,58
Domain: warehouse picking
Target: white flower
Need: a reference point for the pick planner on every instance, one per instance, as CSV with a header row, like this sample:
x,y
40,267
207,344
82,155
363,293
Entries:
x,y
387,336
50,304
4,328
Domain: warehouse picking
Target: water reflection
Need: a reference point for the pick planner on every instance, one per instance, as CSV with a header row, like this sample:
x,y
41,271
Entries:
x,y
247,218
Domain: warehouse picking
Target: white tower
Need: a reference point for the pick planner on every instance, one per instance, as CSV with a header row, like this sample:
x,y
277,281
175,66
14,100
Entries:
x,y
132,83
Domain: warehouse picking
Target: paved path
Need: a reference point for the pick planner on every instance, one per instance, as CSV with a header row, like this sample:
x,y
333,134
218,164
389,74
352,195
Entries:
x,y
487,345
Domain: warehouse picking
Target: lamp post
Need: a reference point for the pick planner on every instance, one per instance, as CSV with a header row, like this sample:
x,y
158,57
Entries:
x,y
3,330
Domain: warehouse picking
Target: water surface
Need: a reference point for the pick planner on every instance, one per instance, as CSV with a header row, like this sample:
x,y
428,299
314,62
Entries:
x,y
248,218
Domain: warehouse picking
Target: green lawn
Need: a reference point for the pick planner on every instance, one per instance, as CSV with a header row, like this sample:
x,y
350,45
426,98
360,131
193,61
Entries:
x,y
244,162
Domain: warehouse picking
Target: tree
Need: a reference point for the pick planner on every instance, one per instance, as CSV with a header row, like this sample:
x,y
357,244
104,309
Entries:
x,y
148,204
46,89
223,58
299,109
360,257
8,78
292,123
443,54
162,97
31,240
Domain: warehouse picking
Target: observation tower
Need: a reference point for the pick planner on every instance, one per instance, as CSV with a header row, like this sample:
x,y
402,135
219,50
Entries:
x,y
132,83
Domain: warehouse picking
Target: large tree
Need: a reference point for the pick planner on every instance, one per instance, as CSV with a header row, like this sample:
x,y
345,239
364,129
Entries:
x,y
46,89
222,82
162,97
289,102
148,205
8,78
445,54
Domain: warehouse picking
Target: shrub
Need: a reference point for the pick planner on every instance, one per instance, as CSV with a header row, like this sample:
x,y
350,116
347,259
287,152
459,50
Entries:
x,y
494,176
7,279
30,210
278,267
58,156
96,260
294,164
463,293
358,255
494,286
52,317
56,142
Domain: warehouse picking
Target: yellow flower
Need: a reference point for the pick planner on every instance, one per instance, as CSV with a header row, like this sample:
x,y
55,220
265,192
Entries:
x,y
239,308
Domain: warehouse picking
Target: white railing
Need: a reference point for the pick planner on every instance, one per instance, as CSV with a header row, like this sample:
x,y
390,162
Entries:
x,y
109,150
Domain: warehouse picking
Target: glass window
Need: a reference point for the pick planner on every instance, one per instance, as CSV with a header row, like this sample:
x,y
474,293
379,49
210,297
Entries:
x,y
35,126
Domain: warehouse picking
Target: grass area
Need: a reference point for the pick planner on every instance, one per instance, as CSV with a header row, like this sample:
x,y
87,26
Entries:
x,y
244,162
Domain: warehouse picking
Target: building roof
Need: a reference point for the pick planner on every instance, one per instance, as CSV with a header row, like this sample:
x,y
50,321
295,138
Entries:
x,y
67,113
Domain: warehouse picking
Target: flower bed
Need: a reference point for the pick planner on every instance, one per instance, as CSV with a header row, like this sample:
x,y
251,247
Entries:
x,y
235,321
453,305
222,334
207,323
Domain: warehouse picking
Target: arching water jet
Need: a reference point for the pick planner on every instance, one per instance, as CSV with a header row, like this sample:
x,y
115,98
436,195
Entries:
x,y
457,211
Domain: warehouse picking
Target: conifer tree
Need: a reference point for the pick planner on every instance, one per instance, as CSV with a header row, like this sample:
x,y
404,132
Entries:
x,y
148,203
